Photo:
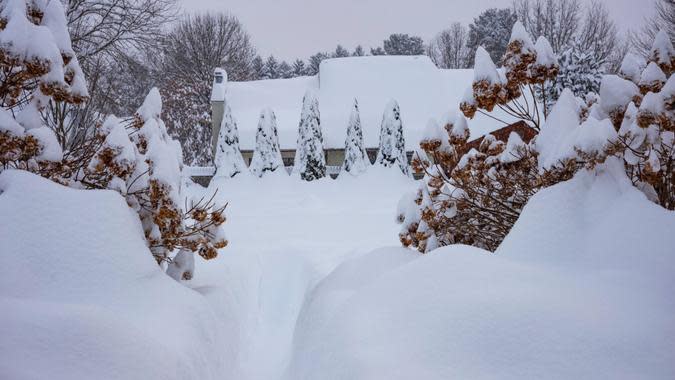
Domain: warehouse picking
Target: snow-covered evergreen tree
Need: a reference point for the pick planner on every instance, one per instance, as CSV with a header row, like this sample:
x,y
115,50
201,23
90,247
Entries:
x,y
356,159
299,68
267,156
310,161
392,142
271,70
579,70
340,51
285,70
228,160
258,68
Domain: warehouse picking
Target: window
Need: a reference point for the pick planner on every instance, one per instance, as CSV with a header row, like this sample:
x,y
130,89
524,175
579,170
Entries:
x,y
288,161
219,79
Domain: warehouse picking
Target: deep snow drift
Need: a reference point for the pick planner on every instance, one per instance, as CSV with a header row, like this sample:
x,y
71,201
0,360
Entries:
x,y
579,289
82,297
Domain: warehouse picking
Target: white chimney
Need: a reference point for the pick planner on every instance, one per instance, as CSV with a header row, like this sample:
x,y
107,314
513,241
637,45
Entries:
x,y
218,90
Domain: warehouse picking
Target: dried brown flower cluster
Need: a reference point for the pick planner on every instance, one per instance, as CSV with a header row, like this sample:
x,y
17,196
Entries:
x,y
524,66
473,191
133,156
646,131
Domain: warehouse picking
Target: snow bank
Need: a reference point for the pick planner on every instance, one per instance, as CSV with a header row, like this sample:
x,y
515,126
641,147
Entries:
x,y
579,289
82,298
422,91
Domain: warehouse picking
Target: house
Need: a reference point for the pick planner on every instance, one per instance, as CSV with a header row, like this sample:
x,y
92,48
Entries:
x,y
422,90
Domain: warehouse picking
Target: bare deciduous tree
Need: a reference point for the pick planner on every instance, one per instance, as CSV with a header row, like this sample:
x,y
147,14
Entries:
x,y
663,19
190,52
557,20
448,49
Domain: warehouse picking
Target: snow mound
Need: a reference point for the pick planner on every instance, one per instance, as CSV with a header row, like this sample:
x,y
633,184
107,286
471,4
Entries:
x,y
82,296
579,289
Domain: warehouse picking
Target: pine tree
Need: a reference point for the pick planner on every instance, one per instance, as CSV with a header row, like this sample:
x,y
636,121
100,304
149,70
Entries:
x,y
392,142
340,52
285,70
299,68
491,29
579,70
310,161
315,62
258,68
356,159
271,70
267,156
403,44
358,51
228,160
377,51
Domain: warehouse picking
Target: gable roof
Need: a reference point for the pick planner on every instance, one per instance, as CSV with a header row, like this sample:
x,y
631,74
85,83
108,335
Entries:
x,y
422,91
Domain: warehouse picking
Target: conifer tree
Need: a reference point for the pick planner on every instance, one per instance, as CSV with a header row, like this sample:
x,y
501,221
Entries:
x,y
392,142
299,68
310,161
267,156
228,160
355,152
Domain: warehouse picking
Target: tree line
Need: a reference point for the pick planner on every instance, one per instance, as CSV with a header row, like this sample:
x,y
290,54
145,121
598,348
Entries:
x,y
126,47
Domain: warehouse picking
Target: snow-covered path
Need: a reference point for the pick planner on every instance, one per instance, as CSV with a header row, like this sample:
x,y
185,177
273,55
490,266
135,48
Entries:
x,y
285,236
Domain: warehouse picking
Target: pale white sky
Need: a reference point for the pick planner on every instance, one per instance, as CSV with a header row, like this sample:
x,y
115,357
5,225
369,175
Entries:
x,y
300,28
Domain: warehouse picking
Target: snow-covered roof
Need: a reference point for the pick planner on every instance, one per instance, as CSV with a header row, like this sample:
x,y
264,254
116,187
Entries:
x,y
422,91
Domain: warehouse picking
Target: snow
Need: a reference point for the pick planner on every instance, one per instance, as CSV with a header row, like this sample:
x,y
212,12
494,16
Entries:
x,y
422,90
616,92
83,298
561,122
511,152
545,55
518,33
543,306
631,67
579,289
651,75
484,68
662,48
218,88
51,149
9,125
152,105
652,102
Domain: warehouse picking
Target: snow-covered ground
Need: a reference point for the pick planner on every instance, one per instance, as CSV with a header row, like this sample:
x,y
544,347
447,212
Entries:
x,y
314,286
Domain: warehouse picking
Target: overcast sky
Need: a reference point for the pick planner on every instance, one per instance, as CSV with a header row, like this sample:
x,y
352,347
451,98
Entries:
x,y
299,28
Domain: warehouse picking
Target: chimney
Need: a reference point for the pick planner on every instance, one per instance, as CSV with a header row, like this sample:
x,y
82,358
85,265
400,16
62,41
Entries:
x,y
217,105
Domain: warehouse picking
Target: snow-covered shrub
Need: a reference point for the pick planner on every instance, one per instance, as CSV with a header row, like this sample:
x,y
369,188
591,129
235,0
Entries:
x,y
37,65
140,160
392,143
228,160
634,122
356,159
526,66
310,161
473,191
267,155
133,156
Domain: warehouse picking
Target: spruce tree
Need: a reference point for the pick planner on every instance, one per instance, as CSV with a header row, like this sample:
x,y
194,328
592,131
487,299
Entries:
x,y
228,160
579,70
356,160
310,161
392,142
267,156
299,68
